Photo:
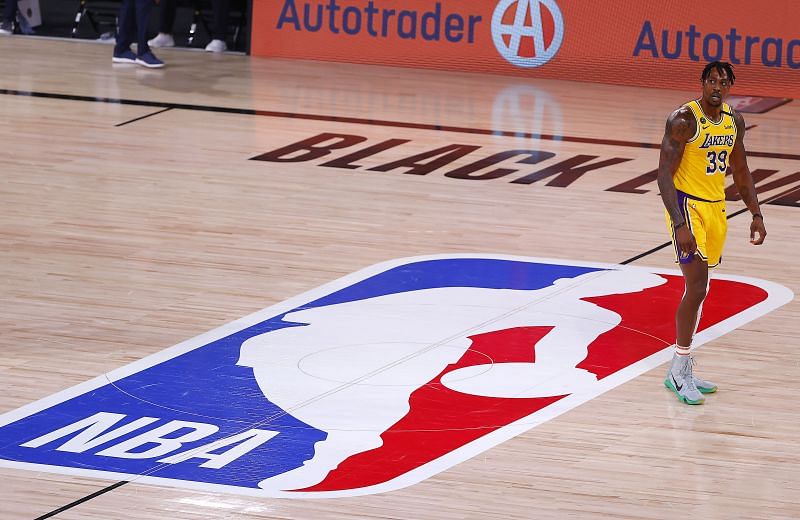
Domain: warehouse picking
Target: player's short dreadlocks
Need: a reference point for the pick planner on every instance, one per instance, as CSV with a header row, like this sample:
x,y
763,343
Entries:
x,y
720,67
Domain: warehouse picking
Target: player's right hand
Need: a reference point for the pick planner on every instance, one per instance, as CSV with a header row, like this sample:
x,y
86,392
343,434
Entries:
x,y
686,242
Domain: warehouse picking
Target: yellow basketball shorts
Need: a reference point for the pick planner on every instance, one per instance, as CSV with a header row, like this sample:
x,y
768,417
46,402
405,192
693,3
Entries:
x,y
708,223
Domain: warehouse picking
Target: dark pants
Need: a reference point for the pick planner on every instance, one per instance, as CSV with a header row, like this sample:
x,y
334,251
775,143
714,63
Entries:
x,y
10,10
166,14
219,27
219,30
133,18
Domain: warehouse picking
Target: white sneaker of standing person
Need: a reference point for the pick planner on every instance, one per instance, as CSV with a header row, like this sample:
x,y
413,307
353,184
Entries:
x,y
681,380
162,40
217,46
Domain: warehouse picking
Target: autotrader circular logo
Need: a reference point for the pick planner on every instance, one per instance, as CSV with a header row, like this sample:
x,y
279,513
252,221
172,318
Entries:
x,y
527,33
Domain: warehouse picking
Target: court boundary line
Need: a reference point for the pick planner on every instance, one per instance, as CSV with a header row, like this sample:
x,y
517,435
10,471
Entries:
x,y
365,121
144,116
88,497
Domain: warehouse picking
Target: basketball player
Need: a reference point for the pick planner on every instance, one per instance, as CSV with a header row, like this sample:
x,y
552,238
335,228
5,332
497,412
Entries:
x,y
702,140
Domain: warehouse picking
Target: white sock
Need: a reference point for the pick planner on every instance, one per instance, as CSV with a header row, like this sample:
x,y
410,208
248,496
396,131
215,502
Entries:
x,y
680,359
682,351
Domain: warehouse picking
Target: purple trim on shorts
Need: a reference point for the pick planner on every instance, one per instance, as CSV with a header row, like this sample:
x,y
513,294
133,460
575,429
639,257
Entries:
x,y
682,202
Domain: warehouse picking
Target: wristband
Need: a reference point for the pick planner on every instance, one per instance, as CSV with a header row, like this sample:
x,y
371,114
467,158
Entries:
x,y
759,215
678,226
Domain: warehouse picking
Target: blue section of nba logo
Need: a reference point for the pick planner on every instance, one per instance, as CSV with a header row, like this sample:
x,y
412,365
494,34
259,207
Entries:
x,y
203,396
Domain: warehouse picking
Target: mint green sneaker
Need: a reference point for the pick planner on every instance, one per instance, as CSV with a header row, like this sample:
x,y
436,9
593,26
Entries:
x,y
681,381
705,387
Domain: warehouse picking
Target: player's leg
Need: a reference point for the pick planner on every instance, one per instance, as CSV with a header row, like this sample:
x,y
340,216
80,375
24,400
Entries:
x,y
715,226
705,386
679,377
695,274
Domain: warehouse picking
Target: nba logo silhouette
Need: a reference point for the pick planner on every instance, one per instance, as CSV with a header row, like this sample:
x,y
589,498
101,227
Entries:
x,y
375,381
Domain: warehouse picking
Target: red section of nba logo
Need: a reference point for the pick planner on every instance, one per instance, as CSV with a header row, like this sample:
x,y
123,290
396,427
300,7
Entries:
x,y
441,420
647,323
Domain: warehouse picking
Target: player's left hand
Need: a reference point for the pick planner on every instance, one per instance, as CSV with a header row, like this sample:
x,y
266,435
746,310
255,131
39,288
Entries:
x,y
757,228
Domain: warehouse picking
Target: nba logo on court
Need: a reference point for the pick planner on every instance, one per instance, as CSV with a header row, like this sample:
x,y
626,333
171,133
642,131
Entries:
x,y
375,381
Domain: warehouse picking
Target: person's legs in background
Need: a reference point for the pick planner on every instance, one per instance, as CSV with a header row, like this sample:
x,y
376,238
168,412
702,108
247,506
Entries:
x,y
133,18
126,21
143,8
144,56
219,29
166,24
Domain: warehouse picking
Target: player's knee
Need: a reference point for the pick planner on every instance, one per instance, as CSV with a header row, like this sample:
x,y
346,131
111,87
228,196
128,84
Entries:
x,y
696,291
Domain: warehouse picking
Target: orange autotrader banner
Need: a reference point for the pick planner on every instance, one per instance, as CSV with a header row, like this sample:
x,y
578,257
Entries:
x,y
631,42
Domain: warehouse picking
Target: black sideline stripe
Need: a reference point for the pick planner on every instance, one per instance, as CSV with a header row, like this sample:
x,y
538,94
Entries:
x,y
370,122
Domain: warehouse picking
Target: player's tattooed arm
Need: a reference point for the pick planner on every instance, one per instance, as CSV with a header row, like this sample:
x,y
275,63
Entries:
x,y
744,182
681,126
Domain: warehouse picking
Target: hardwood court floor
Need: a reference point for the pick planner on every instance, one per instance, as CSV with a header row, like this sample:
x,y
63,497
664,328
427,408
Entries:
x,y
124,234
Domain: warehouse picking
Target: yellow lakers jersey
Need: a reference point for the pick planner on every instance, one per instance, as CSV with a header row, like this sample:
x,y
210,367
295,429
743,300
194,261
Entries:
x,y
706,156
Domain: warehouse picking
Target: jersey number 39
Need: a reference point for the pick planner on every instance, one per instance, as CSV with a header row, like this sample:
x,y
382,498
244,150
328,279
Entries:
x,y
716,162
